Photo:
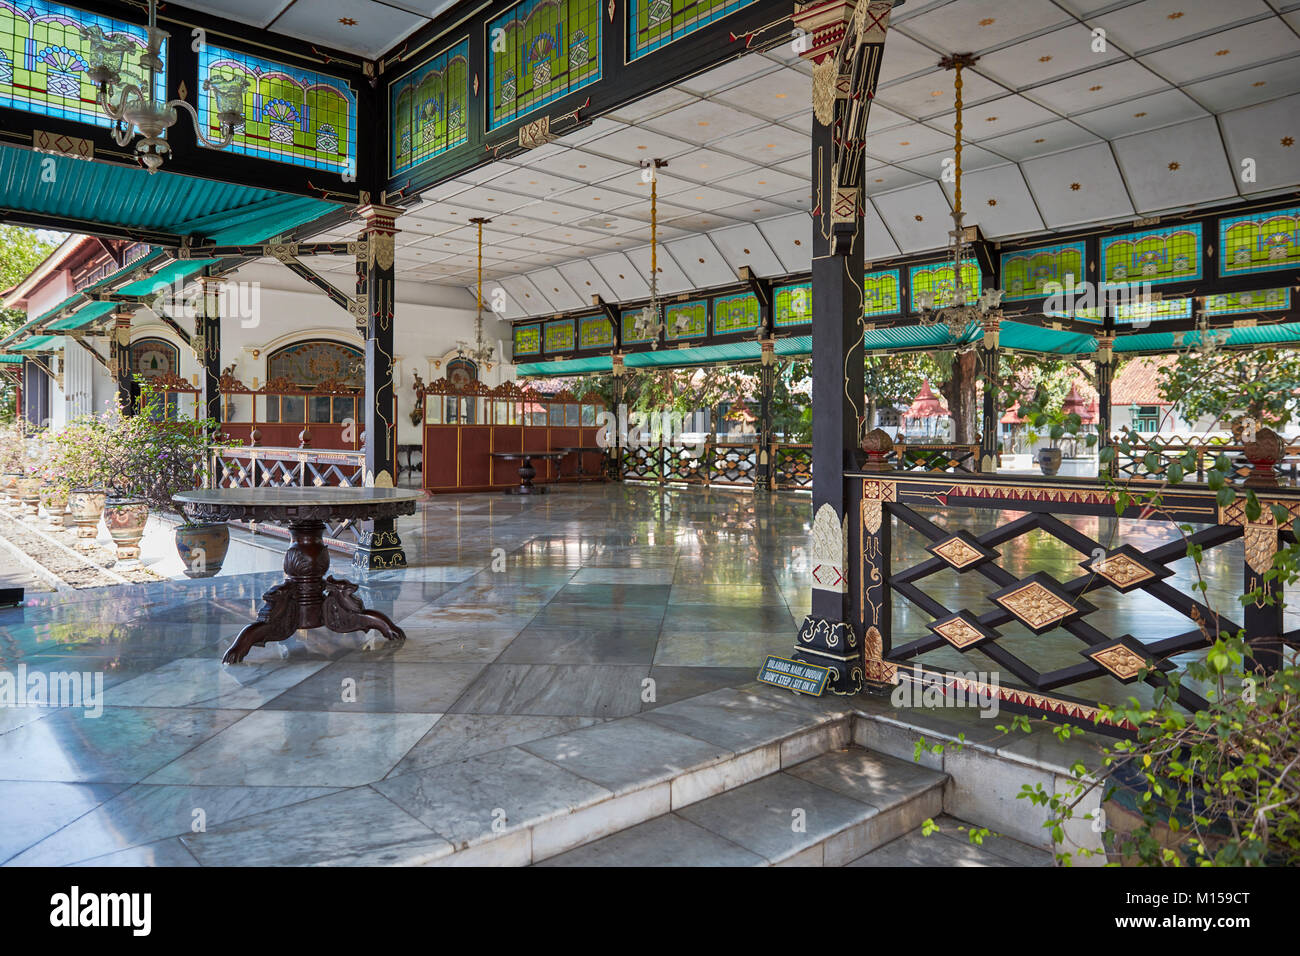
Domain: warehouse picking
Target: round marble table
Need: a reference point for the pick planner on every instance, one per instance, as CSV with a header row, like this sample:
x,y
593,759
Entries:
x,y
306,598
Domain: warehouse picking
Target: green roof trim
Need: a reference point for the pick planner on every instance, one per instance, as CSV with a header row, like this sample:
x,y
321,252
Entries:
x,y
1259,336
1034,338
82,317
11,360
38,343
598,363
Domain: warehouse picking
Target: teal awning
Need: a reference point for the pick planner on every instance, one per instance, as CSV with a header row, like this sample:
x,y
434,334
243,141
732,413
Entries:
x,y
1259,336
38,343
598,363
82,317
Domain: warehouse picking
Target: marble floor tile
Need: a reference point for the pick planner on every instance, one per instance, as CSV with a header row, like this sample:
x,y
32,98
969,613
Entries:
x,y
299,749
123,745
589,690
624,576
613,595
686,618
627,754
672,684
873,778
33,810
727,595
459,801
669,840
720,648
426,644
146,814
580,645
380,686
459,736
206,682
170,852
354,828
732,718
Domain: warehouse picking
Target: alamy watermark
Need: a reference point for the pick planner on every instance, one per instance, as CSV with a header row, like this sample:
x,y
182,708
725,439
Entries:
x,y
82,690
921,688
647,430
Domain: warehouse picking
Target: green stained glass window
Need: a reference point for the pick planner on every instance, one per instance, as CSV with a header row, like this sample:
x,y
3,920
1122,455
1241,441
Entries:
x,y
629,318
596,332
45,49
655,23
1025,272
880,292
1155,256
736,313
528,339
937,280
1236,303
792,305
537,52
428,108
559,336
1259,242
686,320
290,115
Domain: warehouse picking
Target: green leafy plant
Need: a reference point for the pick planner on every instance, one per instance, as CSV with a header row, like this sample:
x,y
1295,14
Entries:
x,y
1059,426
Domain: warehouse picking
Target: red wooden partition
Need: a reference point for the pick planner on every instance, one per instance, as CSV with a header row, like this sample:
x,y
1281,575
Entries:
x,y
280,410
464,424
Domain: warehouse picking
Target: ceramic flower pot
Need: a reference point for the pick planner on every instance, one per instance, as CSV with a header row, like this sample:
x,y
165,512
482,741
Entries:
x,y
29,493
125,519
203,548
55,502
9,485
1049,460
86,504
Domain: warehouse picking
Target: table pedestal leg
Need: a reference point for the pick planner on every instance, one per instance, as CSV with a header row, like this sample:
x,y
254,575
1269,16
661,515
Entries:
x,y
305,601
526,475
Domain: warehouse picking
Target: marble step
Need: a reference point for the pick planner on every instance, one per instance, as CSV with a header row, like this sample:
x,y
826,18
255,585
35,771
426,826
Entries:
x,y
951,846
829,810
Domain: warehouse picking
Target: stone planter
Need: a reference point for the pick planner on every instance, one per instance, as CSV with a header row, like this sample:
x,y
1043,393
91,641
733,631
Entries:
x,y
1049,460
9,485
55,502
203,548
29,493
86,504
125,519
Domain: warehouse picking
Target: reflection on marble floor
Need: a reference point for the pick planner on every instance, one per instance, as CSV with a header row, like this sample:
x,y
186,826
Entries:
x,y
527,619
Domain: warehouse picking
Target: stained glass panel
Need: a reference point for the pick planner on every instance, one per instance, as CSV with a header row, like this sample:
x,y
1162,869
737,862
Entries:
x,y
1260,242
1155,256
630,337
655,23
44,54
528,339
596,332
880,292
793,305
937,279
291,115
539,51
313,362
686,320
1026,271
1236,303
428,109
559,336
736,313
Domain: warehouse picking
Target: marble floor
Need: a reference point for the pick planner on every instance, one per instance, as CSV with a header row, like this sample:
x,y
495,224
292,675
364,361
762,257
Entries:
x,y
526,619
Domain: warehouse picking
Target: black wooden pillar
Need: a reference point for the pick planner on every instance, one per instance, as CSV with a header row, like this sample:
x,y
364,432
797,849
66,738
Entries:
x,y
1104,360
207,343
380,547
990,364
120,360
614,461
846,46
766,389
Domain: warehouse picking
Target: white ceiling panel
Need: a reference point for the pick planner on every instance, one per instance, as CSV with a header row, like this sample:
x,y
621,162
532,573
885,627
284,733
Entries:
x,y
790,237
1269,134
1048,138
779,93
652,105
624,279
727,75
1097,88
1153,23
765,145
527,296
998,201
1143,113
888,178
583,278
929,95
1233,49
979,25
745,246
1044,58
1182,166
705,121
671,277
1248,87
905,56
877,243
1077,186
557,290
919,217
700,259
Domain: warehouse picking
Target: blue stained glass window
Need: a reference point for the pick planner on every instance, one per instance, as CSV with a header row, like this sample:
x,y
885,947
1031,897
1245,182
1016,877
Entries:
x,y
44,49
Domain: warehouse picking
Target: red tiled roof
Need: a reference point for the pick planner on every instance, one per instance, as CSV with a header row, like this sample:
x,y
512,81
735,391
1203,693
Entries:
x,y
1138,382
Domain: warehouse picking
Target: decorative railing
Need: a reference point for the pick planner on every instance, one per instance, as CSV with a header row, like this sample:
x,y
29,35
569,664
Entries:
x,y
1024,608
234,467
1151,457
792,466
935,457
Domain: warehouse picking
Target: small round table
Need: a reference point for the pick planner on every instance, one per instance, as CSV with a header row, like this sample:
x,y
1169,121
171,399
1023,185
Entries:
x,y
526,470
306,598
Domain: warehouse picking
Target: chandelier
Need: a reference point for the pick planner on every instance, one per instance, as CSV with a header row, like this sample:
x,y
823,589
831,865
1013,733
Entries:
x,y
1208,340
958,316
134,110
480,353
649,323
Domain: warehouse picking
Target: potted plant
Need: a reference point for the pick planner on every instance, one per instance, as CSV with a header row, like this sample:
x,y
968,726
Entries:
x,y
78,455
11,461
1059,426
29,484
152,459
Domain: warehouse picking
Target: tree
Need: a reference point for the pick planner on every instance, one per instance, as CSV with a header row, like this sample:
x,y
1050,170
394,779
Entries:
x,y
21,251
893,380
1261,384
957,376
